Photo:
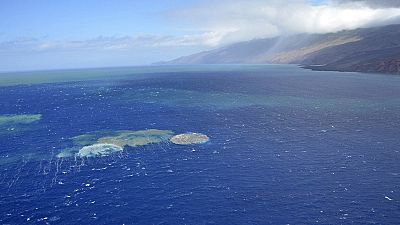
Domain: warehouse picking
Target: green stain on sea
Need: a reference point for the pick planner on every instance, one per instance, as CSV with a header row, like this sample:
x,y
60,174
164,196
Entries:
x,y
89,138
226,100
19,119
138,138
123,137
10,124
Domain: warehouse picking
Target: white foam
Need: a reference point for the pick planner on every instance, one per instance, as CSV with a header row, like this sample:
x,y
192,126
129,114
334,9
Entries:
x,y
390,199
99,150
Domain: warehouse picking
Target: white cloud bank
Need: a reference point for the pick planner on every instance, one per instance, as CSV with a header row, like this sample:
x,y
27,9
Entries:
x,y
213,23
107,43
237,20
373,3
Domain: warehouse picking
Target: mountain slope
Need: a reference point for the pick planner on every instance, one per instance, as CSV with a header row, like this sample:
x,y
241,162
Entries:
x,y
366,50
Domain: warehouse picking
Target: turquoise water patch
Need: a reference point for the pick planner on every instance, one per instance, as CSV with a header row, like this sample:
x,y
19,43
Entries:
x,y
38,77
91,138
224,100
10,124
124,137
137,138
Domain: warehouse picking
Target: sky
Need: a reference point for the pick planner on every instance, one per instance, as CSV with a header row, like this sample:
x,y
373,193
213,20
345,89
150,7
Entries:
x,y
47,34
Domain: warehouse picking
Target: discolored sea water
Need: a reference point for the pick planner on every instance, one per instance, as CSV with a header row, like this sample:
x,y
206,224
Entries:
x,y
286,146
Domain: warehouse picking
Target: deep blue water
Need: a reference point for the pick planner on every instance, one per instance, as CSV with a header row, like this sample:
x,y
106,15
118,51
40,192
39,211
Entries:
x,y
287,146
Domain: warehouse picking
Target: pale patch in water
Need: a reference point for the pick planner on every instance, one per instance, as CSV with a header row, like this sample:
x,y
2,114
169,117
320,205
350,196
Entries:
x,y
98,145
189,138
138,138
85,139
69,152
124,137
100,139
19,119
16,123
99,150
226,100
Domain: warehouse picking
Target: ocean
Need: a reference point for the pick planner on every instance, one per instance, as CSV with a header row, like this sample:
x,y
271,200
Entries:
x,y
286,146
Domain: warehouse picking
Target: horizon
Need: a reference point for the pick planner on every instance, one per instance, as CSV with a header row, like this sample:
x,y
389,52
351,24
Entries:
x,y
43,35
146,66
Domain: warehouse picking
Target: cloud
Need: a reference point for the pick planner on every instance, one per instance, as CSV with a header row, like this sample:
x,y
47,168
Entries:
x,y
104,43
373,3
44,53
239,20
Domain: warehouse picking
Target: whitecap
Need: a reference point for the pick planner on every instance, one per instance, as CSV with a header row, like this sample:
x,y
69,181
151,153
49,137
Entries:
x,y
390,199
